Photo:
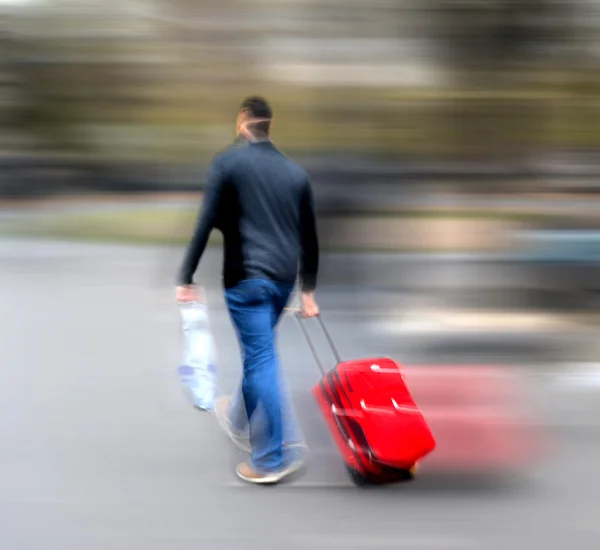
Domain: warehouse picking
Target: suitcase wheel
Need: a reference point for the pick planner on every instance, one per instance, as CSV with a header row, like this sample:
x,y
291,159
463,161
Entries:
x,y
357,478
405,475
399,475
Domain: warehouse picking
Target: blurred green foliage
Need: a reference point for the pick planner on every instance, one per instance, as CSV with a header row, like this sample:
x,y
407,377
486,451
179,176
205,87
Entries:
x,y
165,84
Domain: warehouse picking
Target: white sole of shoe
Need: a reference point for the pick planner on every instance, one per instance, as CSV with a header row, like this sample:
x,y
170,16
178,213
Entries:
x,y
243,444
240,443
274,477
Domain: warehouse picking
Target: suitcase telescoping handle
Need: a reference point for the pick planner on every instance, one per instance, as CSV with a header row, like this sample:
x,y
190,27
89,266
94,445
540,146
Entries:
x,y
298,315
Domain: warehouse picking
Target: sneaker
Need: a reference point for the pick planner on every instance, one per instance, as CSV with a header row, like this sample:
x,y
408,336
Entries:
x,y
249,474
240,439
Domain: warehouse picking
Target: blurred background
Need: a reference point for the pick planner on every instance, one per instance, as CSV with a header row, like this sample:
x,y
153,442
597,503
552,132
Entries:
x,y
460,127
454,149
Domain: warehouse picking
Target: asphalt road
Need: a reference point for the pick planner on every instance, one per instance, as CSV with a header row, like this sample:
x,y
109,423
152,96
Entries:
x,y
100,451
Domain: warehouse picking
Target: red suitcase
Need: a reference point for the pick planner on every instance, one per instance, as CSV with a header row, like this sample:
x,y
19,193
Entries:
x,y
374,420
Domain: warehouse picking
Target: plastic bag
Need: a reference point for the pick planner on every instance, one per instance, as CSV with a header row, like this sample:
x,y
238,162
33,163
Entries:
x,y
198,371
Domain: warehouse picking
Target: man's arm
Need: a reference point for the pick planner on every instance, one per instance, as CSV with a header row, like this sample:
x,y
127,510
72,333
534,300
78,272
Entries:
x,y
309,259
206,220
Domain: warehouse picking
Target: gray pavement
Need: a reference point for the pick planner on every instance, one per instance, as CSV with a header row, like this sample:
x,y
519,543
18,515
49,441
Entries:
x,y
100,450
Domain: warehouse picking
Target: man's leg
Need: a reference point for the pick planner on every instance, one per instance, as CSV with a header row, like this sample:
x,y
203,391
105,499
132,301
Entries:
x,y
231,414
292,434
237,410
236,413
251,309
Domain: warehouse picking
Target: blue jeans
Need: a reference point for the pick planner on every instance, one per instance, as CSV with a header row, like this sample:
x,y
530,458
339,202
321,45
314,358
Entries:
x,y
255,306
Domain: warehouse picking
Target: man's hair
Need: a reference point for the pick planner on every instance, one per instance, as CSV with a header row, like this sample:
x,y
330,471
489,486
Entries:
x,y
258,107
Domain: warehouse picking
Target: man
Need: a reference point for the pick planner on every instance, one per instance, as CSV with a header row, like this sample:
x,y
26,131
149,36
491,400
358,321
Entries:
x,y
262,203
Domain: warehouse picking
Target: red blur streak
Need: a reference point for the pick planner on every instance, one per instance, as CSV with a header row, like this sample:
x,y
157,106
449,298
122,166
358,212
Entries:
x,y
479,415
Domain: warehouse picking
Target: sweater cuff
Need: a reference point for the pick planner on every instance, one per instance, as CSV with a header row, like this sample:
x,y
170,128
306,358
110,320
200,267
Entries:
x,y
308,284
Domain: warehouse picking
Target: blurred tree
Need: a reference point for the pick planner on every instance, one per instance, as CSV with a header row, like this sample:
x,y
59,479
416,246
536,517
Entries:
x,y
496,47
492,35
67,76
163,76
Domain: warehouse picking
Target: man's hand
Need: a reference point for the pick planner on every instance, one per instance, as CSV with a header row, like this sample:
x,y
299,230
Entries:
x,y
309,306
187,294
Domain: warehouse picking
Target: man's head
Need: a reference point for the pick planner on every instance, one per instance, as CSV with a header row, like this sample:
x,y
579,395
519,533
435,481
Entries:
x,y
254,118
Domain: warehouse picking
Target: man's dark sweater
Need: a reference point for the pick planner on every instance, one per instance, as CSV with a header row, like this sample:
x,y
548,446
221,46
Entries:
x,y
262,203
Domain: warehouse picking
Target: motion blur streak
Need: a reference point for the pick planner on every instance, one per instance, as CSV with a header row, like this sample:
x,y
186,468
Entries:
x,y
481,418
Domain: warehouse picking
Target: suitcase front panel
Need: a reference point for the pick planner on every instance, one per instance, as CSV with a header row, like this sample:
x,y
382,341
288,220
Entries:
x,y
372,415
336,412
